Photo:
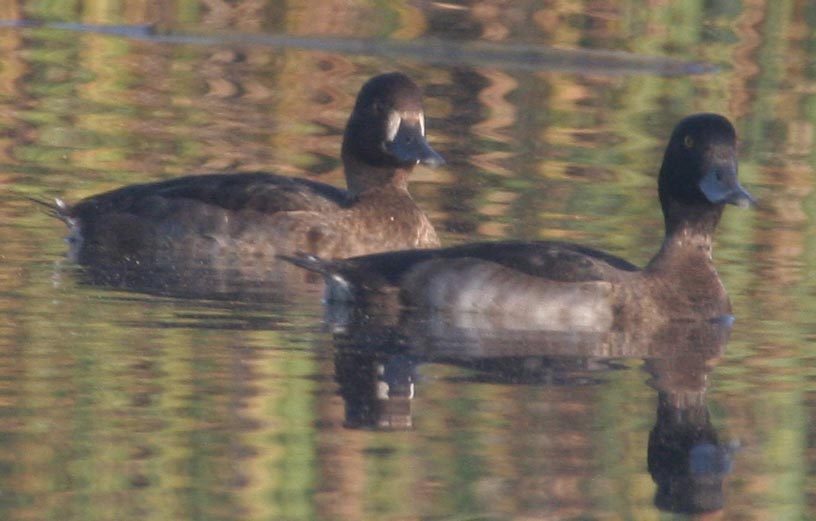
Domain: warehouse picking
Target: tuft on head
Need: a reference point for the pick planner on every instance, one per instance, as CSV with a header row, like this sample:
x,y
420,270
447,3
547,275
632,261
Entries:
x,y
707,126
393,90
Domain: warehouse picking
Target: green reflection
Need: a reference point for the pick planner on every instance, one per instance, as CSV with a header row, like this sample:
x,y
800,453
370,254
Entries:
x,y
115,405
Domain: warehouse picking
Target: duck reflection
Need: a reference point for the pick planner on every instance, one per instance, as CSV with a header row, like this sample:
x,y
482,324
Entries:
x,y
376,365
685,457
377,390
276,285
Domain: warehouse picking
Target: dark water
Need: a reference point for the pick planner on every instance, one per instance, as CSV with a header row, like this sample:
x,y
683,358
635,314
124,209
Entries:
x,y
216,402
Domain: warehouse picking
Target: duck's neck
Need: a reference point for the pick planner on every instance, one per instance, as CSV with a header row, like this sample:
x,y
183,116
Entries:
x,y
688,239
680,250
683,270
361,177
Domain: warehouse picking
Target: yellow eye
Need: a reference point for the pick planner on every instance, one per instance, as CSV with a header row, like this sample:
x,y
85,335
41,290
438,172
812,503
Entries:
x,y
688,141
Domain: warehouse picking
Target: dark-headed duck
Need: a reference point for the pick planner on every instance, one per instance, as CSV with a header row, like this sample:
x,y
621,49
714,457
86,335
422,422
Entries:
x,y
198,219
559,285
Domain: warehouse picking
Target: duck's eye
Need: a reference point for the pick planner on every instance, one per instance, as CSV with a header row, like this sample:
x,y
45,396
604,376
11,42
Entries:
x,y
688,142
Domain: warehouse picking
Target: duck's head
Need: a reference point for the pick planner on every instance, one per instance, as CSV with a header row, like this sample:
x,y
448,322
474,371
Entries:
x,y
699,173
386,130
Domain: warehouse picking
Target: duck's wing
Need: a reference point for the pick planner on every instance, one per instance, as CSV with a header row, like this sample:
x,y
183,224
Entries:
x,y
261,192
549,260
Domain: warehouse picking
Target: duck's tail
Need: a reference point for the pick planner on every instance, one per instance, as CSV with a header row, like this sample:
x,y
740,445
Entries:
x,y
338,287
58,209
308,262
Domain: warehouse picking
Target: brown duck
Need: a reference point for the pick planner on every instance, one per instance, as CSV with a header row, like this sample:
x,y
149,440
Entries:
x,y
564,286
238,218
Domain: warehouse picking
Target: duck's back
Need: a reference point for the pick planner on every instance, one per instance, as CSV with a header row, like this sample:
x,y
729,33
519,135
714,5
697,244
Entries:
x,y
547,260
194,219
261,192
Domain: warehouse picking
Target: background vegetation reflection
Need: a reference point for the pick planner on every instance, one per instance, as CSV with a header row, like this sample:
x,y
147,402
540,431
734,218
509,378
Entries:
x,y
123,405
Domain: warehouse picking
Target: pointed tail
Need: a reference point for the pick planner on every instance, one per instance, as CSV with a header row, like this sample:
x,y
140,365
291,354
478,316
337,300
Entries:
x,y
338,287
58,209
308,262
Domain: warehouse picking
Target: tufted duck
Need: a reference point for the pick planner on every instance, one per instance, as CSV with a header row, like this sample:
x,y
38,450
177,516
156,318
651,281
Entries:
x,y
565,286
198,220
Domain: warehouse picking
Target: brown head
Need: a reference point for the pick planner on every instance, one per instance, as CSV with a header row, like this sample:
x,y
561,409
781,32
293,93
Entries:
x,y
385,135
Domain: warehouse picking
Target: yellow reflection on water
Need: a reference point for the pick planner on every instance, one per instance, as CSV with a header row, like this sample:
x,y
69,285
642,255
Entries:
x,y
133,406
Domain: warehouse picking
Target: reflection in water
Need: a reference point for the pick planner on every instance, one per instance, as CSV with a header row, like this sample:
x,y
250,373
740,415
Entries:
x,y
686,459
376,364
146,408
272,283
438,52
377,388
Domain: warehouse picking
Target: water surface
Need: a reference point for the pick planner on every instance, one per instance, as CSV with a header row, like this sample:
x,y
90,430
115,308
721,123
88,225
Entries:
x,y
145,403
